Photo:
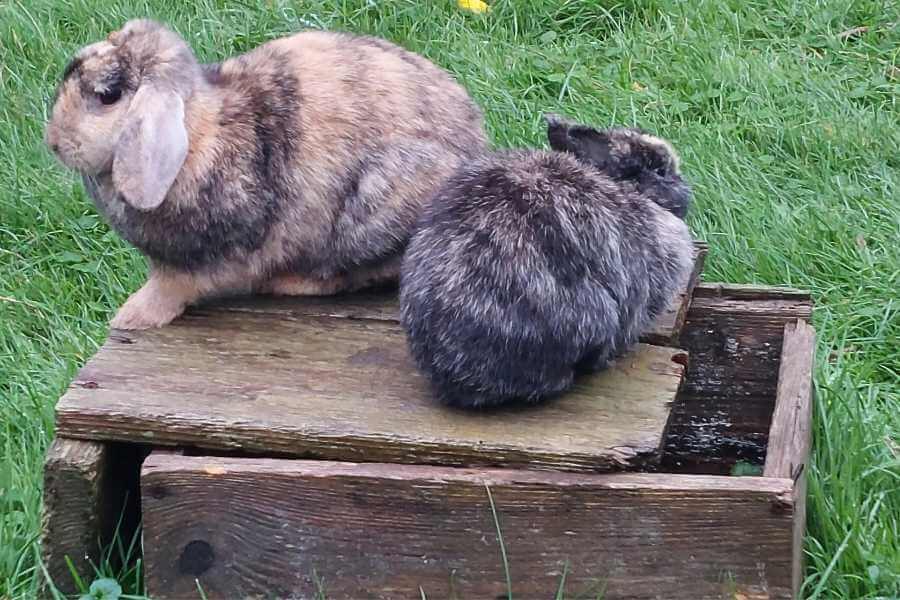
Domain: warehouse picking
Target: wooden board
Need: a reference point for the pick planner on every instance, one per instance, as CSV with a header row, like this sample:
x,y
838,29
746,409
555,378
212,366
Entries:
x,y
90,491
734,336
747,291
666,330
74,486
294,528
789,437
345,389
383,306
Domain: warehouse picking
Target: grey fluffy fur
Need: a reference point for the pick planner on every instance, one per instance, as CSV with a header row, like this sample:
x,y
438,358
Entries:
x,y
532,266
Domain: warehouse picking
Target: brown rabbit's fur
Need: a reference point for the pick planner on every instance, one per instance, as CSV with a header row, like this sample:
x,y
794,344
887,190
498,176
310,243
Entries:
x,y
307,164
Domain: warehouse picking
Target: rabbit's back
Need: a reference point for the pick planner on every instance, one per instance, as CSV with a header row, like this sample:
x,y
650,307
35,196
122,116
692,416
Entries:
x,y
361,88
310,154
379,129
527,267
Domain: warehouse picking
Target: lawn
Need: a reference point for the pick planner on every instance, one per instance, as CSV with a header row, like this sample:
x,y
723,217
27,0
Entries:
x,y
789,127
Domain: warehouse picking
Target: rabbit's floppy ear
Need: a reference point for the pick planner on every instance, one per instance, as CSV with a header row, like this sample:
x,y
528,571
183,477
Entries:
x,y
152,147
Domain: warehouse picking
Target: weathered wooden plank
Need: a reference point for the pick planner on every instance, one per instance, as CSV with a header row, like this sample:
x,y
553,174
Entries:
x,y
741,291
90,495
666,330
346,389
383,306
789,437
73,512
274,528
798,569
724,409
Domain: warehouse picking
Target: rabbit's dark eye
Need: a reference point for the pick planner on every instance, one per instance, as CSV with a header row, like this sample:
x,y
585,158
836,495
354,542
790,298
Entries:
x,y
661,171
110,96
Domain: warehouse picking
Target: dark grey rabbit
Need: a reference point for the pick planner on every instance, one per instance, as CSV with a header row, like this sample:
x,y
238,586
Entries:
x,y
531,266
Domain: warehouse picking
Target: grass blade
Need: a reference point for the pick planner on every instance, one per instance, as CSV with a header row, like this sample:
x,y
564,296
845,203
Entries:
x,y
509,593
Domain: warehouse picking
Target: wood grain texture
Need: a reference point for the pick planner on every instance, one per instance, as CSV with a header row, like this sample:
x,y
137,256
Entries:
x,y
724,409
740,291
273,528
90,489
72,520
383,306
345,389
790,435
798,569
666,330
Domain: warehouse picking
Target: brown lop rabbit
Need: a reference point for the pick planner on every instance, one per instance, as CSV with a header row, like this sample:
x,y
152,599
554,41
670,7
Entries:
x,y
300,167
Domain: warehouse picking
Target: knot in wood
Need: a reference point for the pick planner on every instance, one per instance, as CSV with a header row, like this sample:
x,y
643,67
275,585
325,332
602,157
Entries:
x,y
196,558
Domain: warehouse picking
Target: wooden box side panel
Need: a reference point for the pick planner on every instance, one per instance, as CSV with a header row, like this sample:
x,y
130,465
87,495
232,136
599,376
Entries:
x,y
248,527
791,431
789,435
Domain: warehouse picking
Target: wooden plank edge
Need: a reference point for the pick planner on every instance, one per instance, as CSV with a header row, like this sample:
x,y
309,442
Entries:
x,y
330,447
72,512
358,306
219,466
668,334
737,291
789,434
799,533
699,262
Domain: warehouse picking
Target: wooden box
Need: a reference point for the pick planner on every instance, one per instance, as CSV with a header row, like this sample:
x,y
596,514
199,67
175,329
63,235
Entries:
x,y
288,448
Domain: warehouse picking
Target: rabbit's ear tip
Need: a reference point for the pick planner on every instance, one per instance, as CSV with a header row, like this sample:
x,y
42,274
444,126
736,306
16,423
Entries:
x,y
553,118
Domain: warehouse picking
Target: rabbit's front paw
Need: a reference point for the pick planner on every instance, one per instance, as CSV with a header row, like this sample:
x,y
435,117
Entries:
x,y
146,309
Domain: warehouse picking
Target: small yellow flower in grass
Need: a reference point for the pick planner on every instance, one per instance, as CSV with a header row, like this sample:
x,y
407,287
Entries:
x,y
476,6
637,87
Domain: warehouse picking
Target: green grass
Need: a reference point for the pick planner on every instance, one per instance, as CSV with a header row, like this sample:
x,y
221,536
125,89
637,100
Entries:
x,y
790,134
